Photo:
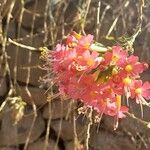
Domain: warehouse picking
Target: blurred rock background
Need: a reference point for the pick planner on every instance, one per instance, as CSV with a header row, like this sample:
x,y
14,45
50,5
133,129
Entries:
x,y
50,125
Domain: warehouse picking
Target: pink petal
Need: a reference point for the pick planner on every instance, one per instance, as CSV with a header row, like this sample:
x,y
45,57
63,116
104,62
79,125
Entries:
x,y
137,83
124,109
133,59
138,68
116,49
146,85
146,94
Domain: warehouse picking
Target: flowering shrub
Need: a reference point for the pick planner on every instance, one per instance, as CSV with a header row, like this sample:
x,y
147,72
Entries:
x,y
97,76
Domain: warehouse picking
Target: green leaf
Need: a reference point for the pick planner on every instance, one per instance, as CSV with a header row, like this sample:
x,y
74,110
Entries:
x,y
99,47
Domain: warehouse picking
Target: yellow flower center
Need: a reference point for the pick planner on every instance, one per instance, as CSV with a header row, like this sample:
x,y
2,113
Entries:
x,y
128,68
138,91
127,81
93,93
114,71
72,44
90,62
86,45
77,36
115,58
109,90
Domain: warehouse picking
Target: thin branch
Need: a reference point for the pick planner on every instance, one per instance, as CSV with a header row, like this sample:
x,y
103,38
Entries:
x,y
88,129
22,45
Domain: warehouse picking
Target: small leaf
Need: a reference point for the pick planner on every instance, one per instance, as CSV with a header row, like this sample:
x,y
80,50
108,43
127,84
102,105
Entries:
x,y
98,47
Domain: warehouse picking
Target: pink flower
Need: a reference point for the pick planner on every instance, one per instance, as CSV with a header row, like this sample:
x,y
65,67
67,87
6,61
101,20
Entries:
x,y
85,41
115,108
112,107
140,91
97,79
71,41
77,40
87,61
112,110
132,66
117,55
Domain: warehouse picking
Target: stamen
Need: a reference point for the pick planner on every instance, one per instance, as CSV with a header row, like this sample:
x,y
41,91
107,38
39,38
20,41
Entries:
x,y
128,68
138,91
127,81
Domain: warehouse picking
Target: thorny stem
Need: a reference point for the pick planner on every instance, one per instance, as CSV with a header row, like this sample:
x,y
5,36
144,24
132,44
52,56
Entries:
x,y
48,126
60,125
45,21
116,19
139,120
52,24
17,48
98,20
138,29
4,42
142,140
28,80
22,45
88,129
75,130
51,89
140,21
85,16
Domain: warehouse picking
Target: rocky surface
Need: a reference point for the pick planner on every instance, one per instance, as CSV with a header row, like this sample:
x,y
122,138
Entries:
x,y
39,145
11,134
3,86
39,28
38,95
58,109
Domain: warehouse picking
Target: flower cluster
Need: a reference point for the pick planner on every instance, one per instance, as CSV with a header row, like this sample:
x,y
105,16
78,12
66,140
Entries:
x,y
99,78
